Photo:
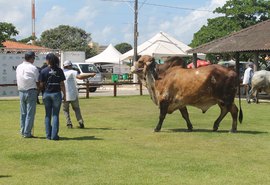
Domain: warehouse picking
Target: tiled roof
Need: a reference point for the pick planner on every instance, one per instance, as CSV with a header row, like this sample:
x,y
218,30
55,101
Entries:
x,y
21,46
253,38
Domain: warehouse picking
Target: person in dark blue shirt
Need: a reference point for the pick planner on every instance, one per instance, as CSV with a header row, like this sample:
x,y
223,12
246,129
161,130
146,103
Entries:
x,y
52,82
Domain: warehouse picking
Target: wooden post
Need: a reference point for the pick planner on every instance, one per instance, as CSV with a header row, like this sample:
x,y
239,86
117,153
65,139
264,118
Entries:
x,y
195,60
256,61
87,88
114,89
141,93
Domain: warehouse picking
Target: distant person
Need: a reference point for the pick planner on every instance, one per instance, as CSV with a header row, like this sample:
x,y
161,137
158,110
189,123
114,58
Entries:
x,y
247,77
72,95
27,81
52,82
267,61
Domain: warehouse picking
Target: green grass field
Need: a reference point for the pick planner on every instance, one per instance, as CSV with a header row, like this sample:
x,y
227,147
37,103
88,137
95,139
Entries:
x,y
118,146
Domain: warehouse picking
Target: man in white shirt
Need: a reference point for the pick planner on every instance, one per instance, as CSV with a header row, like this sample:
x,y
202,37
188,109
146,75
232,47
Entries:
x,y
72,95
247,78
27,81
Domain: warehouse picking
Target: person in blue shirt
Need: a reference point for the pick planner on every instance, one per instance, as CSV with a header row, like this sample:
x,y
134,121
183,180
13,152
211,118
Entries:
x,y
52,82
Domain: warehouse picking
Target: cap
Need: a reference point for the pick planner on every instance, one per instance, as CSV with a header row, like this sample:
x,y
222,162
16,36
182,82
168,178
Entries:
x,y
29,54
67,63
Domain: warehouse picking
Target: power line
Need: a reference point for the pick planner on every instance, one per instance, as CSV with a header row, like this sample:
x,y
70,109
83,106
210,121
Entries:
x,y
160,5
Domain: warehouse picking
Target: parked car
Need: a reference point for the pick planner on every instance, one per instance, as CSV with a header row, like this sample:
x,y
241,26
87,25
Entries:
x,y
95,81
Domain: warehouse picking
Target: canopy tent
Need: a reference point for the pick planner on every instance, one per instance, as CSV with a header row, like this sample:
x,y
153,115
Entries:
x,y
161,45
109,56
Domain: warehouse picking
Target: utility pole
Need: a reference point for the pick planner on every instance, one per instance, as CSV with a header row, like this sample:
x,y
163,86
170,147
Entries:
x,y
135,36
33,22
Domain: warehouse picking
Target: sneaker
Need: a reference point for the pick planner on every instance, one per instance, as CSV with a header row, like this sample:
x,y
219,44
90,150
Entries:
x,y
81,125
69,126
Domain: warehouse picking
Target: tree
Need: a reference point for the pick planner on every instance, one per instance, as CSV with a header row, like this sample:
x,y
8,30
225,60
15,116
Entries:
x,y
27,39
67,38
237,14
6,31
123,47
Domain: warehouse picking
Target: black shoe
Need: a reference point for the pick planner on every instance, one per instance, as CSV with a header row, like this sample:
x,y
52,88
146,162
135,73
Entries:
x,y
81,125
69,126
31,136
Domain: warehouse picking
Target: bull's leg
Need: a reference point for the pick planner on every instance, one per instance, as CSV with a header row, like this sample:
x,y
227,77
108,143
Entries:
x,y
248,93
163,111
223,113
256,96
234,112
185,115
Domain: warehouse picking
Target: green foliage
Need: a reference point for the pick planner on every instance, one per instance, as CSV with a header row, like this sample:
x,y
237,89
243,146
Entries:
x,y
237,14
216,28
6,31
123,47
67,38
246,12
118,147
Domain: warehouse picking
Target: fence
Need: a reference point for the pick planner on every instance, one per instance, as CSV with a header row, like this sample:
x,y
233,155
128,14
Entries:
x,y
88,85
114,84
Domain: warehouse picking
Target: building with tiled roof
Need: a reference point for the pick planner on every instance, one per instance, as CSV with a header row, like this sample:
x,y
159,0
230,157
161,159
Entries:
x,y
21,47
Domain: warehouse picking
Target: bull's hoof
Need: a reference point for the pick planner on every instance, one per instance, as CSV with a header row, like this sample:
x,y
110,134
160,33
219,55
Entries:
x,y
189,129
233,131
156,130
215,129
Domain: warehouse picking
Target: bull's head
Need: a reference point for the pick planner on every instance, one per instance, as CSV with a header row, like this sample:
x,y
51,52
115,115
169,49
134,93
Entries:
x,y
142,65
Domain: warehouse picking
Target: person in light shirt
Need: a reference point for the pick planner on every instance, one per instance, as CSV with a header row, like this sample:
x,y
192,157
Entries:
x,y
27,81
72,96
247,78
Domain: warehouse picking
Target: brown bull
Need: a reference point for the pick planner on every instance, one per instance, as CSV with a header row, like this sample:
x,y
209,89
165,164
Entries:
x,y
177,87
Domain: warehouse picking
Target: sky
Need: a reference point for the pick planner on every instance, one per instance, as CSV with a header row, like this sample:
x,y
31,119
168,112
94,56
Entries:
x,y
111,21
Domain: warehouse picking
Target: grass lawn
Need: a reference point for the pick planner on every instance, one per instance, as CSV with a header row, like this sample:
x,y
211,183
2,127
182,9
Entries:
x,y
118,146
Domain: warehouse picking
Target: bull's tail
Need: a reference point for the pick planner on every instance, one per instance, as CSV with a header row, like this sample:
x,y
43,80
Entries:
x,y
238,84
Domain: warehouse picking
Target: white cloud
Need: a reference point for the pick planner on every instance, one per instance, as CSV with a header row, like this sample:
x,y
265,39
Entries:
x,y
92,16
18,13
181,27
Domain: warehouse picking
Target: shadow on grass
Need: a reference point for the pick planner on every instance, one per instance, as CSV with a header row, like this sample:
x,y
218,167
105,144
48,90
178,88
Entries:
x,y
82,138
219,131
103,128
5,176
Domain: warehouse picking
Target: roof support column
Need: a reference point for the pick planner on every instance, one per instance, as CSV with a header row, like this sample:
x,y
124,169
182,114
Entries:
x,y
256,61
195,58
237,64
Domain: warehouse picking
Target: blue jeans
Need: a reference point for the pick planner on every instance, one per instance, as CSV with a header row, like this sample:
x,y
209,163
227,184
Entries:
x,y
52,102
28,101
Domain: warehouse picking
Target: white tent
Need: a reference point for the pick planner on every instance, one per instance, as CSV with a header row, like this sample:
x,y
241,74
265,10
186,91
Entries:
x,y
161,45
109,56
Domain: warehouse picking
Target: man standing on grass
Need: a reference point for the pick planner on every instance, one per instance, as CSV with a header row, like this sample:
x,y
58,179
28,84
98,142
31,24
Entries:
x,y
72,95
27,81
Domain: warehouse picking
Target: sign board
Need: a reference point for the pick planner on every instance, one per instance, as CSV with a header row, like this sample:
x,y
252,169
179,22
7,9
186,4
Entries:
x,y
121,69
8,65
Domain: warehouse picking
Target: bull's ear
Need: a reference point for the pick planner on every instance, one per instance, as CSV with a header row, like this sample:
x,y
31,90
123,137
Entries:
x,y
138,57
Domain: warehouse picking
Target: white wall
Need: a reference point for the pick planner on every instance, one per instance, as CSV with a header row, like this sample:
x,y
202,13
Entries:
x,y
8,65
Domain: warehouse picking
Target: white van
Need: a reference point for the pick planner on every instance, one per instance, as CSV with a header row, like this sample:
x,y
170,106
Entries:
x,y
95,81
